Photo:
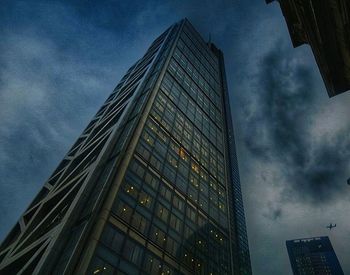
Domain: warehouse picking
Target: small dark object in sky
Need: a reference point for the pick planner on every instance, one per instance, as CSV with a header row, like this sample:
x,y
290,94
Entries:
x,y
348,181
330,226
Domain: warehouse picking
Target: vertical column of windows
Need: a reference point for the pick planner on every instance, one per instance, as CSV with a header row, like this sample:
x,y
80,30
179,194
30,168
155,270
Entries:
x,y
189,136
194,56
197,72
209,100
201,46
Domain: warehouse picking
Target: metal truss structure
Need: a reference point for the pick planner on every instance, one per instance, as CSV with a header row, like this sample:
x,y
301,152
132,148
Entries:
x,y
47,237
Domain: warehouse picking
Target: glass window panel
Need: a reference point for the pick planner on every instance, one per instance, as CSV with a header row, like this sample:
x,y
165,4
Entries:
x,y
98,266
132,252
162,212
151,181
140,223
145,200
123,210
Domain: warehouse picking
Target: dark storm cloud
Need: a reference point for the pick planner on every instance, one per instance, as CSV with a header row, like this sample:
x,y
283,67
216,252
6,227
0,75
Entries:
x,y
273,211
57,67
278,130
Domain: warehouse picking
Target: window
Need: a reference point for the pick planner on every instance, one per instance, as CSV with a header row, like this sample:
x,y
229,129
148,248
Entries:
x,y
187,135
191,214
222,206
151,264
143,151
123,211
130,189
162,212
172,160
155,162
140,223
158,236
145,199
151,181
172,247
183,154
204,175
137,168
148,138
112,238
196,145
178,203
192,193
169,172
99,266
181,183
132,252
203,202
194,180
165,192
195,167
183,169
175,223
188,232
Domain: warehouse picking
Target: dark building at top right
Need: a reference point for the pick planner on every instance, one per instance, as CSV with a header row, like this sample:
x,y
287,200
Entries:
x,y
325,26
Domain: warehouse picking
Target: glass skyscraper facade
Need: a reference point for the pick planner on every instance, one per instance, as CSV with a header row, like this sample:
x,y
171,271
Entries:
x,y
313,256
152,184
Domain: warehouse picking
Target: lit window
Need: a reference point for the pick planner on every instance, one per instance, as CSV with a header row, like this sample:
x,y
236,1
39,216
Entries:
x,y
148,138
103,270
172,161
130,190
195,167
222,207
145,200
194,181
182,153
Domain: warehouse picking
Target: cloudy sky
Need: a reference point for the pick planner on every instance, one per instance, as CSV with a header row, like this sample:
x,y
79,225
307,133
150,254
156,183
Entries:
x,y
61,59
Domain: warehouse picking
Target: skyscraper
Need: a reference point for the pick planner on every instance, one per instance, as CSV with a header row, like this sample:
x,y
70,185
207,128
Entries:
x,y
152,185
313,256
325,26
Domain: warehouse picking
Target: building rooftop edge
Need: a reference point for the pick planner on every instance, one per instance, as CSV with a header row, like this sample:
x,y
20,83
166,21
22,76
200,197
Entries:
x,y
306,239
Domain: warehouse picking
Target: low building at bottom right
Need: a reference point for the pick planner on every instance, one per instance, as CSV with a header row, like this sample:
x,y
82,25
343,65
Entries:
x,y
310,256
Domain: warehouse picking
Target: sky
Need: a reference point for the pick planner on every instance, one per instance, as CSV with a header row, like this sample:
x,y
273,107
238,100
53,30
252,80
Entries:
x,y
61,59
